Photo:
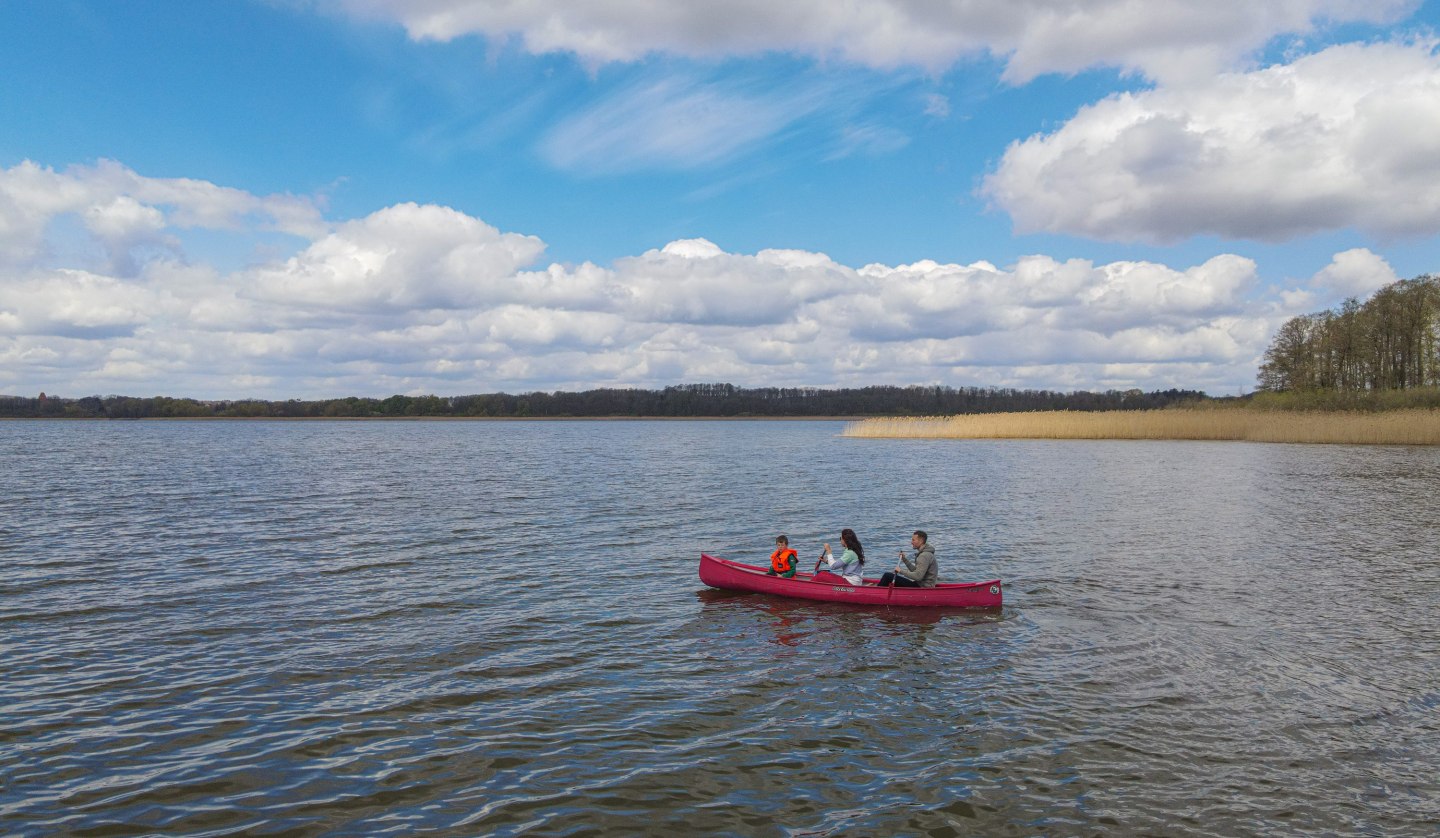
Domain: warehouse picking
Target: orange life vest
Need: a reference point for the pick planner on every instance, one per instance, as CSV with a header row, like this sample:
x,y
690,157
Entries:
x,y
782,561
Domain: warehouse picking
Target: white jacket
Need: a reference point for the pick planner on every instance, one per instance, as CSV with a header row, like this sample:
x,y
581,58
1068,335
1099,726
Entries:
x,y
848,566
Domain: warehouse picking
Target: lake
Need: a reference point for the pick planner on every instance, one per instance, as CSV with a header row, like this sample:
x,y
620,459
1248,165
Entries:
x,y
497,628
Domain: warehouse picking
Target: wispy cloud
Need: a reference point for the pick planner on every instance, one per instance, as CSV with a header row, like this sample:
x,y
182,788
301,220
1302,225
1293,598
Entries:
x,y
867,139
675,123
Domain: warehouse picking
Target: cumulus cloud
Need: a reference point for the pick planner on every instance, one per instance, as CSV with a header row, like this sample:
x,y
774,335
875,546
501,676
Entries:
x,y
694,281
401,258
71,303
1354,273
122,209
1348,137
1160,38
1170,40
422,298
1045,311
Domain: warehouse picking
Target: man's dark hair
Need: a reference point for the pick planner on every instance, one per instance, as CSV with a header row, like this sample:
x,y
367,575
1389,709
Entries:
x,y
780,539
923,537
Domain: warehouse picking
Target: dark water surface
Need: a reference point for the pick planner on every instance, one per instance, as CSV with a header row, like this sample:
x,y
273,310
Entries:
x,y
497,628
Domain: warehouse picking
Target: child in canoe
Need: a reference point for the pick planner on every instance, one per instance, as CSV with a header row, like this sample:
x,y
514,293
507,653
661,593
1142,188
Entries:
x,y
783,560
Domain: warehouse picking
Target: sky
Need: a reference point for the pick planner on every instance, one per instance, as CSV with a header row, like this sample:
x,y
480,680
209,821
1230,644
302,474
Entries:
x,y
323,198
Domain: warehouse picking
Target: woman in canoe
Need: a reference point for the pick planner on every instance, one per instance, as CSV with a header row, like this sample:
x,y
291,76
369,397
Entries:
x,y
851,562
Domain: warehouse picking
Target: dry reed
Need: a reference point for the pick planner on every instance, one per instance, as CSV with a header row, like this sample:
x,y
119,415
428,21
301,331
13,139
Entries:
x,y
1399,427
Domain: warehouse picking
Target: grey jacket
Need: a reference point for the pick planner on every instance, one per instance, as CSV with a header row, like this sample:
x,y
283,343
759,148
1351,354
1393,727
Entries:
x,y
923,569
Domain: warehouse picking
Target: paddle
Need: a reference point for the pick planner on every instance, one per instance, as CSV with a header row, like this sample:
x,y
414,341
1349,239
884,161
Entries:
x,y
817,568
859,572
821,559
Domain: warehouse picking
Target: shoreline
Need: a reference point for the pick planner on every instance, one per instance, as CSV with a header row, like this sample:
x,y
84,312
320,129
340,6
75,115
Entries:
x,y
1415,426
1408,426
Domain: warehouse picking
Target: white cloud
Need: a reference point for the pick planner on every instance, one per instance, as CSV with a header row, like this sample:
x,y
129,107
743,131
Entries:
x,y
420,298
1161,38
1171,40
696,282
401,258
123,219
121,209
1348,137
1354,273
522,327
73,304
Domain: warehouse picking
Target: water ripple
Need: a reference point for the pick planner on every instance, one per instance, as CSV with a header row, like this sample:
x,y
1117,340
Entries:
x,y
496,628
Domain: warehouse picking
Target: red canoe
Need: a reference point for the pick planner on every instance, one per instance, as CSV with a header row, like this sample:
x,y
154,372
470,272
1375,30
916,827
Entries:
x,y
734,576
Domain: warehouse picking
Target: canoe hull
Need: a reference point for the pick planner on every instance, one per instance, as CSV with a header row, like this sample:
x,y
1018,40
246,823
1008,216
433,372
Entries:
x,y
737,576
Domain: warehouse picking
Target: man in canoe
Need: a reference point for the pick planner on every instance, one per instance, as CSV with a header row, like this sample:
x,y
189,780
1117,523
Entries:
x,y
783,560
923,572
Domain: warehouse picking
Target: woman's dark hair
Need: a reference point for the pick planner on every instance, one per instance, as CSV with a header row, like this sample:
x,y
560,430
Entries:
x,y
847,537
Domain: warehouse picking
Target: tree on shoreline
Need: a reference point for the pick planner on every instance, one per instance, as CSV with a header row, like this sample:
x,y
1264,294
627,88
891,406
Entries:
x,y
1390,342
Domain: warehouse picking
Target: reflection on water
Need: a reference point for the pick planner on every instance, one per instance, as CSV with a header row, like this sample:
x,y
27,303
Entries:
x,y
497,628
719,605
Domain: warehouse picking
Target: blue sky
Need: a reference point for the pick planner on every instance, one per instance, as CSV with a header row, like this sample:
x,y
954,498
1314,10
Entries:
x,y
361,197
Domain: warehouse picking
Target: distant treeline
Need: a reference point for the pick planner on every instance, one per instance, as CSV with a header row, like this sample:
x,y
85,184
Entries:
x,y
688,400
1389,342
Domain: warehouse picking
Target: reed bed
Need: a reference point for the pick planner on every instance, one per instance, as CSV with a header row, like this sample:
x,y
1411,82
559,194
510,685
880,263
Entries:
x,y
1398,427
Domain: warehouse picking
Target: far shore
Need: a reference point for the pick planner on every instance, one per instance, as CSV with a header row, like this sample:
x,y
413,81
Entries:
x,y
1414,426
1396,427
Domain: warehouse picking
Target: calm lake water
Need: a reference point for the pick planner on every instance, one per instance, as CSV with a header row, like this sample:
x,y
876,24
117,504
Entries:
x,y
496,628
